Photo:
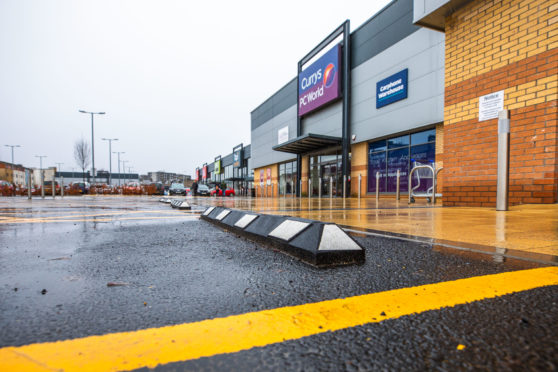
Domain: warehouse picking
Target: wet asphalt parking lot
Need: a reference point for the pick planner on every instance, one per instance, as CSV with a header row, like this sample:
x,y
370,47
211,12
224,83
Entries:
x,y
175,268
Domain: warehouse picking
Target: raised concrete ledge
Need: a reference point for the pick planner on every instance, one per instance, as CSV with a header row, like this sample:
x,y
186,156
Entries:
x,y
317,243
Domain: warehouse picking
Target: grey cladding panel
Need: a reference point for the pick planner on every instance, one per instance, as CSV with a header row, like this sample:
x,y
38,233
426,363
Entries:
x,y
423,54
383,40
248,152
393,23
264,137
386,28
227,160
276,104
327,121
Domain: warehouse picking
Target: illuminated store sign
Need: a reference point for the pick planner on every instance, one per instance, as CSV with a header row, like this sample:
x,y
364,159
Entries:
x,y
392,89
237,158
217,166
319,84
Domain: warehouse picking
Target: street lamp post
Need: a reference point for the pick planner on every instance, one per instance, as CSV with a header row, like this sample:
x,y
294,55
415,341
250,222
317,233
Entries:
x,y
42,174
59,168
12,146
92,141
119,152
124,167
110,156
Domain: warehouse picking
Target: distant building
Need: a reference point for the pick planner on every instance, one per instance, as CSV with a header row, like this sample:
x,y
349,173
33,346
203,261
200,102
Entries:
x,y
167,177
102,177
14,173
48,175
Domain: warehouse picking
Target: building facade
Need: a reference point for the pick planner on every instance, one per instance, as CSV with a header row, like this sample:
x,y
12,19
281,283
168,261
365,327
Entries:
x,y
425,85
168,177
394,112
508,48
13,173
232,171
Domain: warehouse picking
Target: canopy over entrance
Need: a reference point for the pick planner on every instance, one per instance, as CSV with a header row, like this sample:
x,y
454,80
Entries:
x,y
307,143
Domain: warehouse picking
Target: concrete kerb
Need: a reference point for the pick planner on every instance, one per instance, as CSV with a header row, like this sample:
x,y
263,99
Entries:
x,y
316,243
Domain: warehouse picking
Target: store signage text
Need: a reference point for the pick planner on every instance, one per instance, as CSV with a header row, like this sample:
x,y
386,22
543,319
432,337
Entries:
x,y
217,166
319,82
392,89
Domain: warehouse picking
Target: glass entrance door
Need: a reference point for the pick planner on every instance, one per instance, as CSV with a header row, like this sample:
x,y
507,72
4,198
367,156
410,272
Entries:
x,y
328,169
330,173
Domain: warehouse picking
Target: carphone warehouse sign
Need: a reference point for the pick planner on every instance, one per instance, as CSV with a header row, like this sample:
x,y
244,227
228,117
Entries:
x,y
319,84
392,89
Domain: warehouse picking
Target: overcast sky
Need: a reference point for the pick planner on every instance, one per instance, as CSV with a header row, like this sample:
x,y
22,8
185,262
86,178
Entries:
x,y
177,79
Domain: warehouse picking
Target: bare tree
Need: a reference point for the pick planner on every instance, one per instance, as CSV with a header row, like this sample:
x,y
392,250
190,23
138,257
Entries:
x,y
81,154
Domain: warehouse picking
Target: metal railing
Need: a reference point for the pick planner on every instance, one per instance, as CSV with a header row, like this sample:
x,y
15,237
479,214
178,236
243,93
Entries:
x,y
430,193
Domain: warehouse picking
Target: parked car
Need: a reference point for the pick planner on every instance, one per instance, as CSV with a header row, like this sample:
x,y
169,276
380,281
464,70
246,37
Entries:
x,y
48,187
203,190
177,189
81,187
160,189
6,188
228,192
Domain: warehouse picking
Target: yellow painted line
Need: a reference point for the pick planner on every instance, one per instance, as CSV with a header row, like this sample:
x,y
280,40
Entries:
x,y
77,218
150,347
100,219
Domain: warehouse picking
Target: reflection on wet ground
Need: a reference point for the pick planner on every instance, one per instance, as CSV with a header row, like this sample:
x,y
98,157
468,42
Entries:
x,y
526,231
523,231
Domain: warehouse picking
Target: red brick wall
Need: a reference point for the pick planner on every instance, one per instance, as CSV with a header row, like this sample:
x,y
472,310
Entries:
x,y
491,46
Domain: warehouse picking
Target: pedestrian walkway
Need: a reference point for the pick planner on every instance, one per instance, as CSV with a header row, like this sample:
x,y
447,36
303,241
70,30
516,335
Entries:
x,y
526,231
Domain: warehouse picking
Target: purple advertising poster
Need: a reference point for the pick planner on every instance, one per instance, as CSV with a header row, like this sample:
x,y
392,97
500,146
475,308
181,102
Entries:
x,y
319,84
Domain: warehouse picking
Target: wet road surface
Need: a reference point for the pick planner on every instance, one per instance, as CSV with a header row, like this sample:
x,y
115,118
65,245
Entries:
x,y
176,269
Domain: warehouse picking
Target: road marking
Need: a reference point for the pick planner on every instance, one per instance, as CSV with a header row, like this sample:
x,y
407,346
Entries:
x,y
150,347
105,216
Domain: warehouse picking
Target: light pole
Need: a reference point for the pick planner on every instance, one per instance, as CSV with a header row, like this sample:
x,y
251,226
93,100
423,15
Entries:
x,y
42,175
119,152
124,167
59,166
110,156
92,141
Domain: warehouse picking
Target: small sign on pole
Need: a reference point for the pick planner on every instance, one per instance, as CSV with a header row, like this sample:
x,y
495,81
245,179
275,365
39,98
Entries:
x,y
490,105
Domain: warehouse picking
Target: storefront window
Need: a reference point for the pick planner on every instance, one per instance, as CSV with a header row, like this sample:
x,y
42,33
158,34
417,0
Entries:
x,y
401,153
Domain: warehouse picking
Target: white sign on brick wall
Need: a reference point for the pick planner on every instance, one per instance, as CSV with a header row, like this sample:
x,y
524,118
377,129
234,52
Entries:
x,y
490,105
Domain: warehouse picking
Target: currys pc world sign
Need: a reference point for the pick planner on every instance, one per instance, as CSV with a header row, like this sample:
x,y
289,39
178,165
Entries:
x,y
319,84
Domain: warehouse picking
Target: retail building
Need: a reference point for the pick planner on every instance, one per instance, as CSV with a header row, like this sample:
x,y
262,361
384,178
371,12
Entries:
x,y
386,115
232,171
418,83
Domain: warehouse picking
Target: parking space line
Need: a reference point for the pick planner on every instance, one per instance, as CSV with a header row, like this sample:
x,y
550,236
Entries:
x,y
151,347
106,216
